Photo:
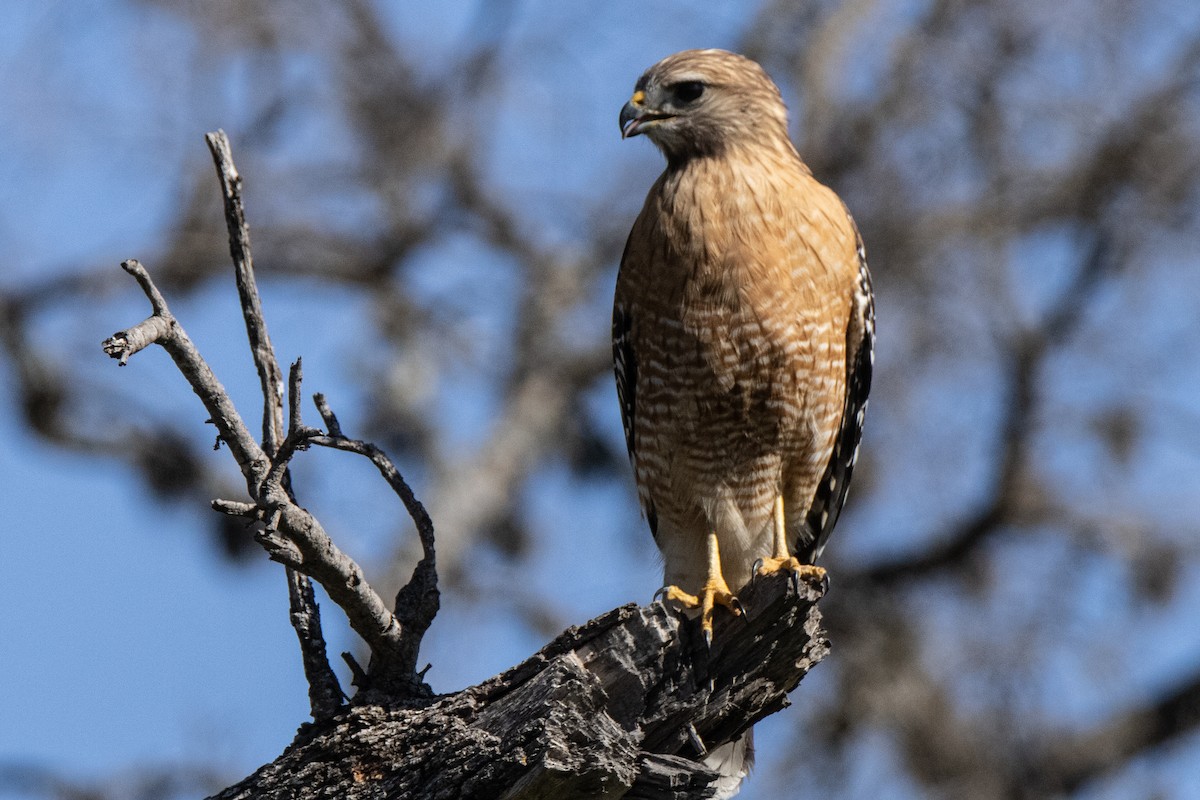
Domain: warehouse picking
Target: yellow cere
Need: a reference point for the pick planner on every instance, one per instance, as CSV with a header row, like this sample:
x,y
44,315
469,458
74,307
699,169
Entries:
x,y
638,98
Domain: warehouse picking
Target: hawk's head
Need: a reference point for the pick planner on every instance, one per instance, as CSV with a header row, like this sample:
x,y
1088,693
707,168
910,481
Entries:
x,y
700,102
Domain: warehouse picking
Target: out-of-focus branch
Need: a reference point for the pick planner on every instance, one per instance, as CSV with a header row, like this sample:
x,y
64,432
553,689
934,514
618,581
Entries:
x,y
474,492
1028,351
149,782
1070,762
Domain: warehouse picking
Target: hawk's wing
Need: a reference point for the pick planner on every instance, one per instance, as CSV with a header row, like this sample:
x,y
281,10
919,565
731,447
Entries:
x,y
860,359
626,368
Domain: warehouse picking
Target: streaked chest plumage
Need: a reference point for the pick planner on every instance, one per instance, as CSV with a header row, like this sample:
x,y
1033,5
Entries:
x,y
738,314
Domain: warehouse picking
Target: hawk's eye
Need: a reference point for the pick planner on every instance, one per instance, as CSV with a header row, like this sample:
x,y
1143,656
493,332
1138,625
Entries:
x,y
688,91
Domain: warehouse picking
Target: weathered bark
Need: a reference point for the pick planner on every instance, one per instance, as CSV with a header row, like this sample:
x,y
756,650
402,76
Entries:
x,y
602,711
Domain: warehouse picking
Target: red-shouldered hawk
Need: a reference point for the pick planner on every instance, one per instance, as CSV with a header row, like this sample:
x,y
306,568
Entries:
x,y
743,339
743,333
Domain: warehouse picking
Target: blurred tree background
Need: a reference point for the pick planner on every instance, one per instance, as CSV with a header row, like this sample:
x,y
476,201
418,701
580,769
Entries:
x,y
438,200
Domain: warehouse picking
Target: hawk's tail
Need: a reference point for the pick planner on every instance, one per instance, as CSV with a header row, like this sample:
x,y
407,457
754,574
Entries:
x,y
733,761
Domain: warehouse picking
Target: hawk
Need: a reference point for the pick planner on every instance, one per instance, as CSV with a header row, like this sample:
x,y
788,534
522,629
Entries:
x,y
743,334
743,341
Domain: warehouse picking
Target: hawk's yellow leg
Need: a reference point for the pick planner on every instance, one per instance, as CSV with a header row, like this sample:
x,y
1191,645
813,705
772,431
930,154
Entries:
x,y
782,559
715,592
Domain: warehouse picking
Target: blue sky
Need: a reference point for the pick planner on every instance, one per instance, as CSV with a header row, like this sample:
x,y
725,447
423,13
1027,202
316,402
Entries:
x,y
128,640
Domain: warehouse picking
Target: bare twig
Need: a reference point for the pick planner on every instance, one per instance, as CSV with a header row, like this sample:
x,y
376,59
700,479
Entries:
x,y
359,675
305,616
324,693
386,468
418,600
123,344
235,508
163,329
290,534
298,433
269,374
327,416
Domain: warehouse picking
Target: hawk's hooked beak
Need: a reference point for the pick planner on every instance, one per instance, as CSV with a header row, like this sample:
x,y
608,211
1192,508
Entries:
x,y
631,118
635,115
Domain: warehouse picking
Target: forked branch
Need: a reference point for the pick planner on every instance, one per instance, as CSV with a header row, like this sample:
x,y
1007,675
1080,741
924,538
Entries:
x,y
289,533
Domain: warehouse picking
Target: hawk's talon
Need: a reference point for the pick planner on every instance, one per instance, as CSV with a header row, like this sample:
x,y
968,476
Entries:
x,y
783,560
769,566
798,572
673,594
714,593
792,564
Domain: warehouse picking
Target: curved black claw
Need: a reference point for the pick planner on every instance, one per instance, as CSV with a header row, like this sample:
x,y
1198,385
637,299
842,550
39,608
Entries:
x,y
756,566
797,584
737,606
794,580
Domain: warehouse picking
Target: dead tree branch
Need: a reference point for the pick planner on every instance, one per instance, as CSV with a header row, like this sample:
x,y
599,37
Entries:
x,y
609,709
269,374
324,691
418,600
325,694
163,329
290,534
